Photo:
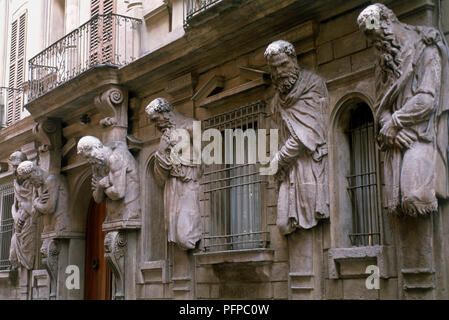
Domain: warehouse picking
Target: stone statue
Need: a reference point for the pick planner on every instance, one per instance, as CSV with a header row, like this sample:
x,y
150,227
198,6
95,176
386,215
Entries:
x,y
181,179
50,196
299,107
115,177
412,89
23,241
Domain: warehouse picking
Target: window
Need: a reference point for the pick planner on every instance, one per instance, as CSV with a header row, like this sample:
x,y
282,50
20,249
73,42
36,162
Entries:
x,y
233,217
6,223
16,70
103,31
362,180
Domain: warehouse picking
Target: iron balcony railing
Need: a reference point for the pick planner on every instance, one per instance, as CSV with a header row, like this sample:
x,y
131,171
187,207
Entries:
x,y
11,106
109,39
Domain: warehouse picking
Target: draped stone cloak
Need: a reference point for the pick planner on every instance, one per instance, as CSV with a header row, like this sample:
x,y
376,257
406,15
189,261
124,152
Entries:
x,y
181,194
414,177
302,119
23,243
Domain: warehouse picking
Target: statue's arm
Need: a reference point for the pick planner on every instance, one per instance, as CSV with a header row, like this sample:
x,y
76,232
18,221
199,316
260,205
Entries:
x,y
97,190
46,202
289,151
117,178
421,106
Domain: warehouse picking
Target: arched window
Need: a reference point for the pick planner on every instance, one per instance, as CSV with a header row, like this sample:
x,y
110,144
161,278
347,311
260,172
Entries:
x,y
354,186
363,177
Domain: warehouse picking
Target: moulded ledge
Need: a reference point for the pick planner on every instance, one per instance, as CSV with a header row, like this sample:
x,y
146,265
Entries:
x,y
122,225
153,272
352,262
4,274
63,235
235,256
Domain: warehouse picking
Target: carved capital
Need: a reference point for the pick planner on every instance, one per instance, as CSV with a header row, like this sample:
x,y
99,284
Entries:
x,y
115,245
48,133
50,254
112,104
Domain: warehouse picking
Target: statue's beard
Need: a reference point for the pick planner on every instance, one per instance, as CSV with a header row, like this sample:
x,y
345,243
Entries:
x,y
285,83
389,51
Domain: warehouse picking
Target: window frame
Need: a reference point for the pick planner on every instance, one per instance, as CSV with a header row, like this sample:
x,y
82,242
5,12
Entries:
x,y
252,115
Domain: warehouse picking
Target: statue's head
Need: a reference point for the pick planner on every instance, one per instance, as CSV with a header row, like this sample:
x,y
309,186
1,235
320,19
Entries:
x,y
281,58
28,170
16,158
159,110
93,150
375,19
380,25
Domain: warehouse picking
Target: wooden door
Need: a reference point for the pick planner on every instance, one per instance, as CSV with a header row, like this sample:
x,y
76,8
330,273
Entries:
x,y
97,282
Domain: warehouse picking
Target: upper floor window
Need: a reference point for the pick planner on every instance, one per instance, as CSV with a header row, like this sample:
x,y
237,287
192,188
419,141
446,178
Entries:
x,y
363,178
6,223
233,192
17,60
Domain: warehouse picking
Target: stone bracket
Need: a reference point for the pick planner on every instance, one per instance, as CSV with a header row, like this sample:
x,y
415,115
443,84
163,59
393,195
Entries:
x,y
50,255
113,104
49,134
115,245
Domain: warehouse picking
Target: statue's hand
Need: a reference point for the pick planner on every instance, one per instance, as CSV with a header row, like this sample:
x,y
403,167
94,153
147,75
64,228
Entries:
x,y
104,183
281,174
164,143
388,133
95,183
404,139
20,224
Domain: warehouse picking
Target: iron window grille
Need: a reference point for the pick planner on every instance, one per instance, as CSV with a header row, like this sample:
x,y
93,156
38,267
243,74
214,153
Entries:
x,y
234,216
363,180
6,223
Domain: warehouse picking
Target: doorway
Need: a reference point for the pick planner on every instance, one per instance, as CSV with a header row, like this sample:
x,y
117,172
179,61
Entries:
x,y
97,281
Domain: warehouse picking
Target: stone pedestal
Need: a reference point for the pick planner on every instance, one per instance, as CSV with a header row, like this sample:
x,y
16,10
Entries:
x,y
305,274
182,273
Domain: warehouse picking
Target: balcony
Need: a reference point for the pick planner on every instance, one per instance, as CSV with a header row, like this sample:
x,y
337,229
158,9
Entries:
x,y
200,11
104,40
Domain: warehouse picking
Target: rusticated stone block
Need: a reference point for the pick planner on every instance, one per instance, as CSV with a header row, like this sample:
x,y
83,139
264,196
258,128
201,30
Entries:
x,y
349,44
355,289
363,59
325,53
280,290
335,68
336,28
334,289
203,291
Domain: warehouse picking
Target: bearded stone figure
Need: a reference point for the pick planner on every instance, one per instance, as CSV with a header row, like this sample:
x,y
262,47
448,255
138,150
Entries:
x,y
50,198
412,89
300,111
181,179
115,177
23,241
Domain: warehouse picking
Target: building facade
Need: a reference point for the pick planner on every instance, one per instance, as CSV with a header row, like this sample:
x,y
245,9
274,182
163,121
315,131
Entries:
x,y
75,68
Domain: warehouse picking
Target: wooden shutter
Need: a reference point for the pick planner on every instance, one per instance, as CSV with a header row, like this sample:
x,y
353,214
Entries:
x,y
103,31
16,69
